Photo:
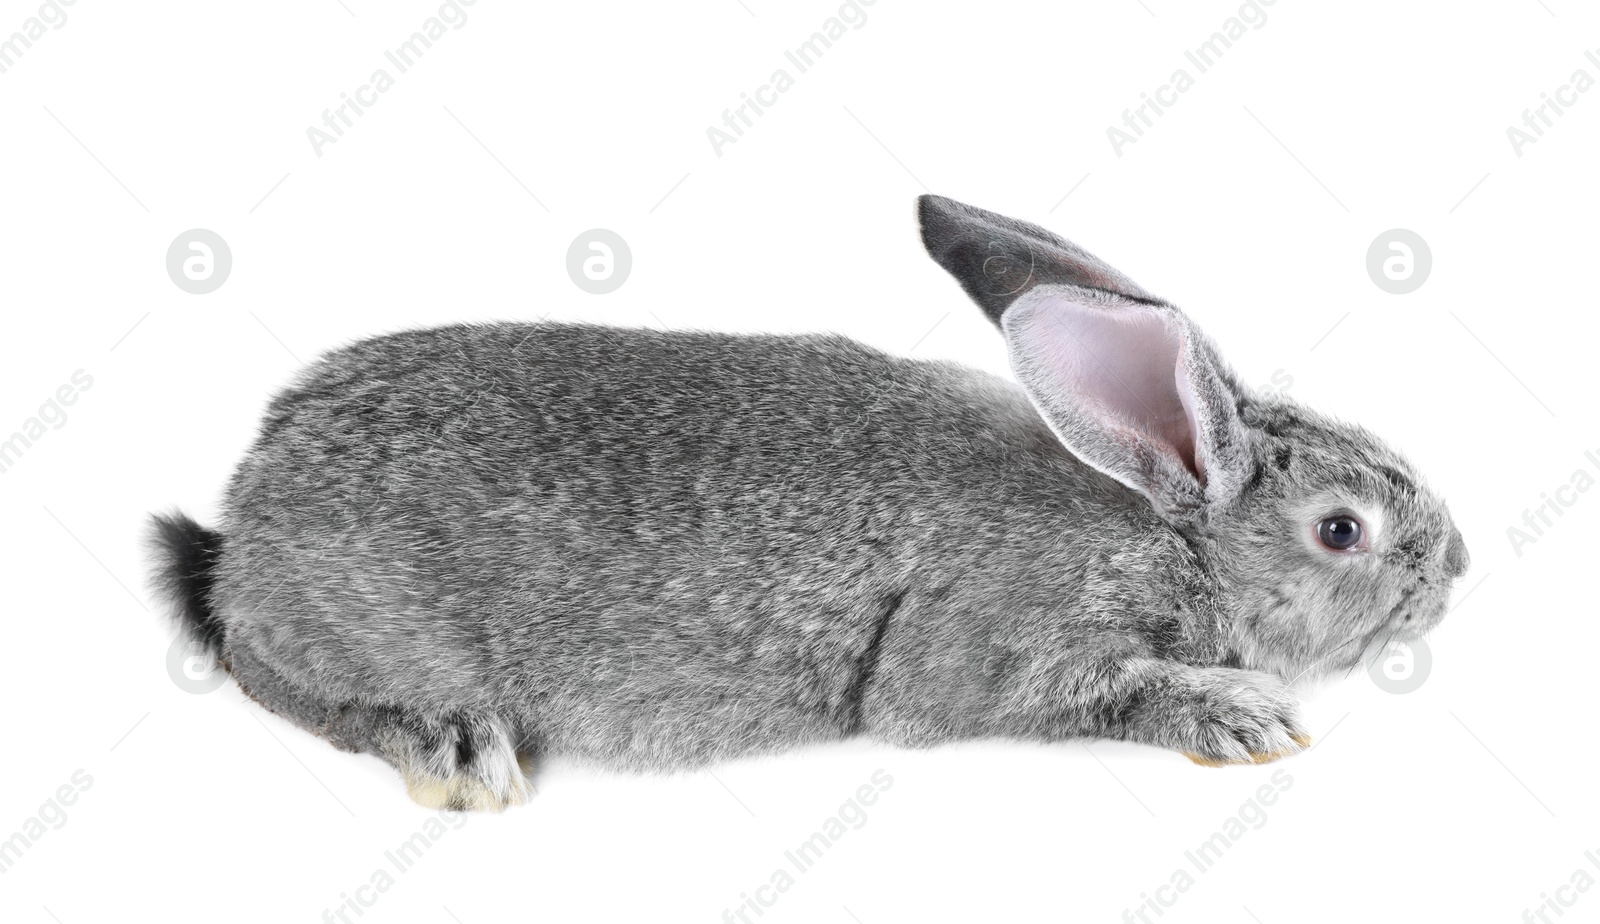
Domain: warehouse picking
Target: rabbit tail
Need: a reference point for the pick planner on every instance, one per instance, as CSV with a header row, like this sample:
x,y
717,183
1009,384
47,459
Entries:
x,y
186,561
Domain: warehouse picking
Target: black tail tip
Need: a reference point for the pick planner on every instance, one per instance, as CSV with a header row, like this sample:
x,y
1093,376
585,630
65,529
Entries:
x,y
186,559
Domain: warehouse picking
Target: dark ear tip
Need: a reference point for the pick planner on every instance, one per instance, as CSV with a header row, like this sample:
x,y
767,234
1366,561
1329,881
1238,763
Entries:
x,y
930,206
933,217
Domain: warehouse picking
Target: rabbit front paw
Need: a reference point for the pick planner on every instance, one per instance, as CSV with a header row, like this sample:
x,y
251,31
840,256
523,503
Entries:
x,y
1234,716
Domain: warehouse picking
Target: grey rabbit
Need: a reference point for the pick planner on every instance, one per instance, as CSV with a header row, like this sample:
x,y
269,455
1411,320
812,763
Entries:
x,y
469,548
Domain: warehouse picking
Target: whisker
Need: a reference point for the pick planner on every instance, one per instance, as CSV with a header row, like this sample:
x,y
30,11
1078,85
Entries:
x,y
1325,657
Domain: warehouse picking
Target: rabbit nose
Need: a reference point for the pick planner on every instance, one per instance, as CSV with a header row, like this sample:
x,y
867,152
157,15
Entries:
x,y
1456,559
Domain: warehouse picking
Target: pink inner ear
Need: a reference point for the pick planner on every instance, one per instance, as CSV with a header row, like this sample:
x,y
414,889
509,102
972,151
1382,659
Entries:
x,y
1126,366
1182,381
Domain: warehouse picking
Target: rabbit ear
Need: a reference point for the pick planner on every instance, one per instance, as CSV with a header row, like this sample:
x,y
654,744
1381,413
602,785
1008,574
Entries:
x,y
1127,383
997,259
1134,390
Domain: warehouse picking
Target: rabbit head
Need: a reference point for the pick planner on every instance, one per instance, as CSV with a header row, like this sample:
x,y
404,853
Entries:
x,y
1321,539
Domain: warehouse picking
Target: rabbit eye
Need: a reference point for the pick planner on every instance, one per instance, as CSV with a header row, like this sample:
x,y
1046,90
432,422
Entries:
x,y
1340,533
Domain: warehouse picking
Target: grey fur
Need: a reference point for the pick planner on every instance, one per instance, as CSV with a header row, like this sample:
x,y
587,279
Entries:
x,y
655,550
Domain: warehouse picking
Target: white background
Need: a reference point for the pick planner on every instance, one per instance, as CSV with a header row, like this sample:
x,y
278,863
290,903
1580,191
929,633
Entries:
x,y
1251,202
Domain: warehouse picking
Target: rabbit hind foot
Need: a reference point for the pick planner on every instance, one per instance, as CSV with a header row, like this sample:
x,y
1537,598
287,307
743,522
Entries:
x,y
460,764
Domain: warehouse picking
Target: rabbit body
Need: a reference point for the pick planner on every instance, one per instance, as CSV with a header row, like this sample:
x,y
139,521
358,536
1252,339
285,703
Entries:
x,y
656,549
